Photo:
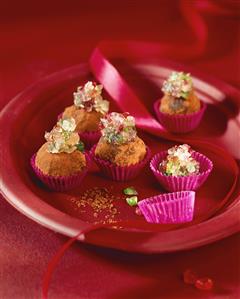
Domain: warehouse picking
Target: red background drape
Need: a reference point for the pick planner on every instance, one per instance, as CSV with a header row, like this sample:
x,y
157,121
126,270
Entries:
x,y
40,38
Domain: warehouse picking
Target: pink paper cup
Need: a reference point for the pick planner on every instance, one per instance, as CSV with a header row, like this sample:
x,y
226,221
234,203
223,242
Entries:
x,y
177,207
119,173
181,183
90,138
179,123
60,183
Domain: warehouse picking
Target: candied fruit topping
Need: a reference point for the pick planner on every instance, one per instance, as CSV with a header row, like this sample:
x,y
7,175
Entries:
x,y
63,138
118,128
89,97
179,162
178,85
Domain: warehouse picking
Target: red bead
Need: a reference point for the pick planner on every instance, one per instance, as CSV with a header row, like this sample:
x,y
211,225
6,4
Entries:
x,y
204,283
189,276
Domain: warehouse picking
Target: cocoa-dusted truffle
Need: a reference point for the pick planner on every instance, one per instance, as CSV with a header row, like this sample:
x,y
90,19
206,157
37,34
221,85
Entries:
x,y
88,108
62,154
179,95
119,143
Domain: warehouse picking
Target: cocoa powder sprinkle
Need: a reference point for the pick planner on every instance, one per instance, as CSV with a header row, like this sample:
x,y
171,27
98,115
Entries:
x,y
101,202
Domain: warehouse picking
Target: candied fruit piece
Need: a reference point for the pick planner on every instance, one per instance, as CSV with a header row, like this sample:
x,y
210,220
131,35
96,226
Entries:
x,y
132,201
138,211
130,191
204,283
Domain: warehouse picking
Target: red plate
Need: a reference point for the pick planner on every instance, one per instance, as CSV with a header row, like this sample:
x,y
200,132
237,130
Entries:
x,y
25,119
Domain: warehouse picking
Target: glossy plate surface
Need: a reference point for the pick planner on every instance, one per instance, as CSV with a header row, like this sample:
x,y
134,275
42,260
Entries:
x,y
25,119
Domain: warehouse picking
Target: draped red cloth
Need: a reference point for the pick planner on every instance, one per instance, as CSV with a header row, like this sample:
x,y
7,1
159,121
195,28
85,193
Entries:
x,y
202,33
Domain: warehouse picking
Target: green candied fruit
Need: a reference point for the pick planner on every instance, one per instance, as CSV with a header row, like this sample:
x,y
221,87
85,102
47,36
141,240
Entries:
x,y
116,138
184,94
170,168
130,191
80,146
186,76
132,201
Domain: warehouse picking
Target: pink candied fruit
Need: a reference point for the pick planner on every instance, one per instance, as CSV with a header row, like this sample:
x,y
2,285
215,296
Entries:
x,y
204,283
138,211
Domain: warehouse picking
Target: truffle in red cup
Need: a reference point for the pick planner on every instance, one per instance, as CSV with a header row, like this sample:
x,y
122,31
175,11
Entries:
x,y
120,153
88,108
180,168
60,163
179,110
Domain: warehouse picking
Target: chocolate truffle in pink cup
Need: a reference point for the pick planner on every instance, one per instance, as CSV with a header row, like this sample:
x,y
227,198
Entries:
x,y
120,154
60,163
179,110
87,110
180,168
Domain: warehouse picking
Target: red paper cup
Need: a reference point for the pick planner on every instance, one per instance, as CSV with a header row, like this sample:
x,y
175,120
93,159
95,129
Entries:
x,y
181,183
177,207
179,123
60,183
119,173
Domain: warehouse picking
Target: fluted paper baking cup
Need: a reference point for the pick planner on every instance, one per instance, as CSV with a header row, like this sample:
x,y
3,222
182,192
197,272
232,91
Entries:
x,y
60,183
90,138
181,183
179,123
177,207
119,173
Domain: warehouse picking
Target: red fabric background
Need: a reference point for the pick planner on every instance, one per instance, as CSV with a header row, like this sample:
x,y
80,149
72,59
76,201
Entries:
x,y
37,39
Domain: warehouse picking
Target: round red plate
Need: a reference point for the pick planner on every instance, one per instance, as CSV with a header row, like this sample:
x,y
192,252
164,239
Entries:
x,y
25,119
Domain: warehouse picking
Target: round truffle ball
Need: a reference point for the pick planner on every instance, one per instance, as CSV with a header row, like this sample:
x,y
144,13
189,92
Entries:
x,y
122,154
172,105
60,164
85,121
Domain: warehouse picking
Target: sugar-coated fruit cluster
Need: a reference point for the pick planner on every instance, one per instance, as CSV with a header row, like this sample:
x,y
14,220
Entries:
x,y
180,162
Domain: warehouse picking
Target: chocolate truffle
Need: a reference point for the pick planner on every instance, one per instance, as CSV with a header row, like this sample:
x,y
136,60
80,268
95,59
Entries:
x,y
88,108
179,95
62,154
119,143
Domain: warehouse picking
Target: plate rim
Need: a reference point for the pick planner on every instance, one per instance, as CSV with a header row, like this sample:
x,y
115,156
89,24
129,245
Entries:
x,y
72,230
